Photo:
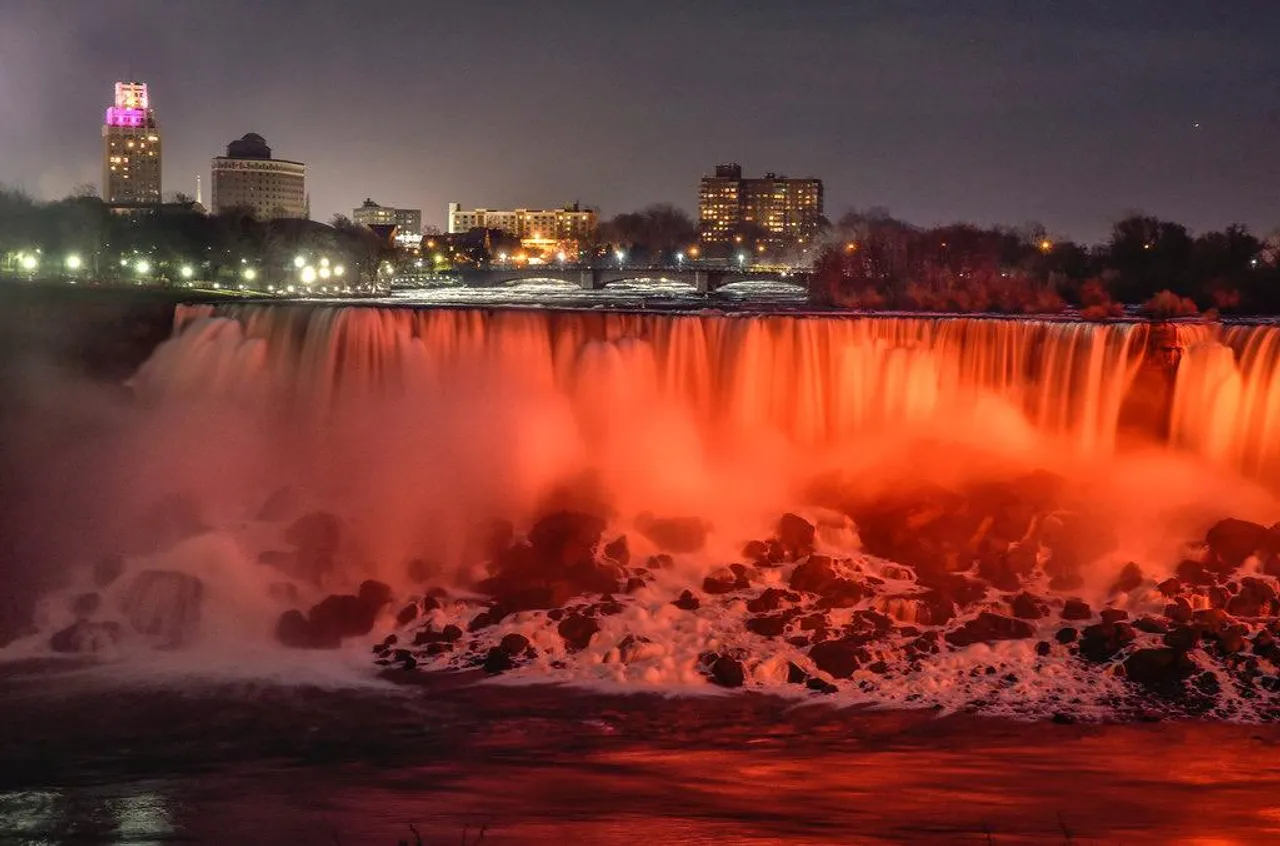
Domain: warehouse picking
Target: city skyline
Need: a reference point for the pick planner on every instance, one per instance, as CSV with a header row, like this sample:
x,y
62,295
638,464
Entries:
x,y
980,112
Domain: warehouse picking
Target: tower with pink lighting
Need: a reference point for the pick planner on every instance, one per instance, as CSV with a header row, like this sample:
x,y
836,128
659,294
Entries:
x,y
131,148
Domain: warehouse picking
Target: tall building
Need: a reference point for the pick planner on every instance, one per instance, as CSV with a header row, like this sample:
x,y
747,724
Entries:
x,y
247,178
131,148
786,209
408,222
536,228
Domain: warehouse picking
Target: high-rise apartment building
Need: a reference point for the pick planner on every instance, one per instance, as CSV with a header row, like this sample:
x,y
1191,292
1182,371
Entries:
x,y
131,148
248,179
408,222
787,210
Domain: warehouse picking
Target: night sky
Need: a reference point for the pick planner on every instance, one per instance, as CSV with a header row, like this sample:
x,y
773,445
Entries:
x,y
1068,113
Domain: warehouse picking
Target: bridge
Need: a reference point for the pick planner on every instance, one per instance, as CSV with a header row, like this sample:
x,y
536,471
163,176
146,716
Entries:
x,y
704,280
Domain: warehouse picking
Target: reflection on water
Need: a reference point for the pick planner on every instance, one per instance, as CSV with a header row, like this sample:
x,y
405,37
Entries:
x,y
541,766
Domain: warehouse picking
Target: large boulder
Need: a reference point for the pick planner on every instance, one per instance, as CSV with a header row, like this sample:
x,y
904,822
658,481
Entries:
x,y
1231,541
1256,598
1159,669
165,605
86,637
577,631
838,659
334,618
566,539
988,627
674,534
796,535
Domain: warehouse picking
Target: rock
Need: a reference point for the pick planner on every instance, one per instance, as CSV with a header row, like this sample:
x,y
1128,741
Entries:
x,y
85,605
1043,648
514,644
1195,573
339,616
1007,569
1130,579
1179,611
498,660
818,574
375,594
795,675
407,615
565,540
757,551
1113,615
451,633
727,672
837,659
1027,607
1066,581
1182,638
107,570
295,631
1076,609
618,551
935,608
723,581
165,605
1256,598
988,627
1170,587
633,584
577,631
1066,635
687,602
282,502
821,685
1151,625
679,535
771,600
1099,643
86,637
661,561
796,535
1159,668
768,626
1232,541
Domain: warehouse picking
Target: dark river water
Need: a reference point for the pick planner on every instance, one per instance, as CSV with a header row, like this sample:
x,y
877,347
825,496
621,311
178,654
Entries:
x,y
85,759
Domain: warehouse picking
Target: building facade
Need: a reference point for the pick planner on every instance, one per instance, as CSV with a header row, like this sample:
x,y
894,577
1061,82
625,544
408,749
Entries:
x,y
131,148
408,222
247,178
787,210
534,227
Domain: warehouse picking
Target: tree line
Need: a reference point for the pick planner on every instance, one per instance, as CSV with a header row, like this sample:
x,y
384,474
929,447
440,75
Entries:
x,y
873,261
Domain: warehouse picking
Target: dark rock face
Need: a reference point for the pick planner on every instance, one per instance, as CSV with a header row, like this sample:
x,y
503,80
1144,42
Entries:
x,y
771,600
1159,669
818,574
990,627
679,535
769,626
557,564
1076,609
577,631
498,660
796,535
837,659
1101,642
334,618
687,602
618,551
724,581
514,644
1130,579
727,672
1027,607
86,637
1256,598
1231,541
164,604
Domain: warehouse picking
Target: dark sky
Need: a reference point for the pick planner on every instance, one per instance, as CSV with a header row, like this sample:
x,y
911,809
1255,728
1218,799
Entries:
x,y
1069,113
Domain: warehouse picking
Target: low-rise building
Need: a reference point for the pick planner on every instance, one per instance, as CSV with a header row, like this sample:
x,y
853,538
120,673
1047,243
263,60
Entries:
x,y
408,222
539,230
248,179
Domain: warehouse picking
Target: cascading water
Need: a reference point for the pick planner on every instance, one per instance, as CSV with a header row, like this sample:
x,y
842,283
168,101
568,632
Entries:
x,y
952,471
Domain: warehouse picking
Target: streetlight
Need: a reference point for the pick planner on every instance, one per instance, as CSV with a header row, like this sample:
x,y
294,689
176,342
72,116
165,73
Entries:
x,y
620,256
742,260
299,262
187,271
142,266
325,273
74,263
680,258
29,262
560,255
338,270
308,275
249,274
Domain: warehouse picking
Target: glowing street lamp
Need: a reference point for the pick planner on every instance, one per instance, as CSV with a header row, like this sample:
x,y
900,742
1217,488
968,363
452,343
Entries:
x,y
561,256
620,256
74,263
249,274
29,262
308,275
187,271
142,266
742,260
338,270
502,258
325,273
299,262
